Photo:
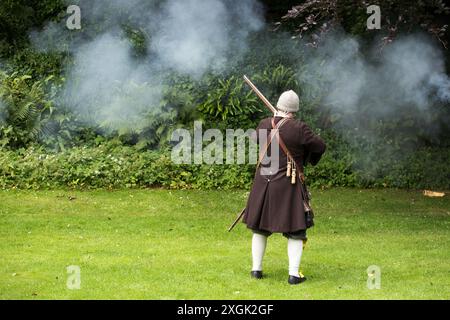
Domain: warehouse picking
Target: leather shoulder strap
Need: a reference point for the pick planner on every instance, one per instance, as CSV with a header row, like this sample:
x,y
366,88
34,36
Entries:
x,y
287,152
269,141
300,176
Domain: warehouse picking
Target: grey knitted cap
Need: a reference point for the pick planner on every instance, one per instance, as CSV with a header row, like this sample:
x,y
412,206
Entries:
x,y
288,102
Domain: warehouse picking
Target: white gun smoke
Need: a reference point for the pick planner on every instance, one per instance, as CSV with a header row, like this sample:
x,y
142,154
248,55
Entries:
x,y
404,83
107,86
191,37
409,73
196,35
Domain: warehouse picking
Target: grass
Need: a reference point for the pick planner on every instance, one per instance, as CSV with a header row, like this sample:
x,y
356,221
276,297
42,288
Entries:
x,y
159,244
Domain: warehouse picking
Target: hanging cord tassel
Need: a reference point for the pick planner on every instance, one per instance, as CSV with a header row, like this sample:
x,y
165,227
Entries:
x,y
294,174
289,168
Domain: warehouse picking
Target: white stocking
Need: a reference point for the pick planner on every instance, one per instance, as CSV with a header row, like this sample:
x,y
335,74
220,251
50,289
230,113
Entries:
x,y
295,249
258,248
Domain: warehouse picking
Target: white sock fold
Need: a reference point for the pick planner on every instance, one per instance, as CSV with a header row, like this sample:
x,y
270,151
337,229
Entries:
x,y
295,249
258,248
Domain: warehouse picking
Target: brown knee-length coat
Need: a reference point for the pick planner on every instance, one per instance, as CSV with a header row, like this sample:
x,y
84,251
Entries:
x,y
274,204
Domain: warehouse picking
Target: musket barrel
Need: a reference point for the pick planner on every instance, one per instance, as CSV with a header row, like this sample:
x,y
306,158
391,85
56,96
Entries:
x,y
260,95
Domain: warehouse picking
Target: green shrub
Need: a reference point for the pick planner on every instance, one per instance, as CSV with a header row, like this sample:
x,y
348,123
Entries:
x,y
229,103
112,165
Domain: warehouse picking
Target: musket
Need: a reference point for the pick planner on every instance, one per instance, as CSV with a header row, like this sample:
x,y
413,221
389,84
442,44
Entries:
x,y
260,95
273,110
237,220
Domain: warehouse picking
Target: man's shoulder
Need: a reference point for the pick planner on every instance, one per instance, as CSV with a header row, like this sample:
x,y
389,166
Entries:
x,y
265,123
298,124
301,124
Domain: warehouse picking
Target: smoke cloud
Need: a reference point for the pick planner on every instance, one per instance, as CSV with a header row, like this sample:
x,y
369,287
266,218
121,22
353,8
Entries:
x,y
108,86
197,35
383,102
409,73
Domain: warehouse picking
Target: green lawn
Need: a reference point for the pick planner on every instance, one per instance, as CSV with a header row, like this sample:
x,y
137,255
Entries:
x,y
159,244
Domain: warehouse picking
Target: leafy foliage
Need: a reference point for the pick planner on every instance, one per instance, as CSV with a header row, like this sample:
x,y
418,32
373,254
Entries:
x,y
28,104
111,165
313,18
17,17
229,101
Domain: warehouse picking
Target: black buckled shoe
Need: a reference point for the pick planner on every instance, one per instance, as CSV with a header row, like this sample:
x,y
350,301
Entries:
x,y
256,274
296,280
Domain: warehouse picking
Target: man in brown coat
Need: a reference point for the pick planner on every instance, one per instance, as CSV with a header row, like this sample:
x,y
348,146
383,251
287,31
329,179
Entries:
x,y
275,204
